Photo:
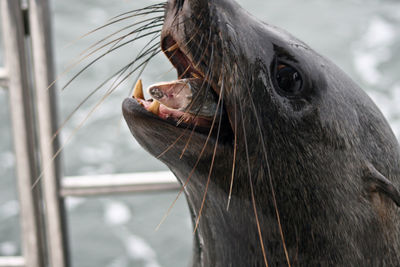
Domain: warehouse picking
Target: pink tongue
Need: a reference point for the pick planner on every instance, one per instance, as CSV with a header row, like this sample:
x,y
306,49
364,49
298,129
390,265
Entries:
x,y
165,112
175,94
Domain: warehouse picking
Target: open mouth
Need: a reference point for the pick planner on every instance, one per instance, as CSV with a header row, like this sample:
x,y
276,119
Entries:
x,y
190,100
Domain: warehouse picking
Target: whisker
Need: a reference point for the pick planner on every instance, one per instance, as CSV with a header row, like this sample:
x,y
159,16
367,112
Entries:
x,y
109,92
121,71
195,114
169,58
195,165
252,189
172,68
122,18
267,165
148,26
67,141
155,6
154,50
111,23
71,65
176,141
204,51
220,101
158,50
145,27
204,81
188,142
143,64
153,20
234,146
103,55
208,87
270,179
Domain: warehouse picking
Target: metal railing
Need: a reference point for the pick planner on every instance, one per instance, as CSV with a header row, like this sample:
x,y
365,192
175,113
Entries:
x,y
118,184
12,262
3,78
29,57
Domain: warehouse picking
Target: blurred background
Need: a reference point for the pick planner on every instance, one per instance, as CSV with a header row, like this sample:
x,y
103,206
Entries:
x,y
361,36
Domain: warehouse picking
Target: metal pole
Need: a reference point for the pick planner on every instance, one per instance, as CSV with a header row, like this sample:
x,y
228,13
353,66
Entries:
x,y
42,52
3,78
12,262
23,128
119,183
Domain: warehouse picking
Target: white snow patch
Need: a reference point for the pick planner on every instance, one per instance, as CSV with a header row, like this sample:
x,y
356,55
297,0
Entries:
x,y
117,213
97,15
396,93
7,160
374,49
101,153
9,209
138,249
74,202
380,33
119,262
8,249
367,67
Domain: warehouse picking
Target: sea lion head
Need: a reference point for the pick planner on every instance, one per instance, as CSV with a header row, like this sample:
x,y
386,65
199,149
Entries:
x,y
305,160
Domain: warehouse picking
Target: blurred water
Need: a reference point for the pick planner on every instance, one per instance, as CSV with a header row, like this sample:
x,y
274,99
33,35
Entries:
x,y
362,37
9,208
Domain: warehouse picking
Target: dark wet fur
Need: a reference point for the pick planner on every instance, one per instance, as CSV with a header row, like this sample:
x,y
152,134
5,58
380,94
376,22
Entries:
x,y
315,177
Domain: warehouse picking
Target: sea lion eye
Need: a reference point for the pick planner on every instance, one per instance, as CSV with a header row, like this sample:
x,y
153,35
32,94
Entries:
x,y
288,79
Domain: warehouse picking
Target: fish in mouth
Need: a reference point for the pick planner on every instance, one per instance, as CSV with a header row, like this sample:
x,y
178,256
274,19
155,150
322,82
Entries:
x,y
283,159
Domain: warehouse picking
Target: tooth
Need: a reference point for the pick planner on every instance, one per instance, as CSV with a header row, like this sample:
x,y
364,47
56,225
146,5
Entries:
x,y
154,107
172,48
138,91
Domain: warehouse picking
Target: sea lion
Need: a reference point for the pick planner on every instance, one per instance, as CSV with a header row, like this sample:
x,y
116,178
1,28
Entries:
x,y
297,167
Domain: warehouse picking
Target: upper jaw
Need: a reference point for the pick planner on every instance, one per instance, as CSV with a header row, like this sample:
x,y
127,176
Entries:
x,y
171,107
174,45
190,61
176,52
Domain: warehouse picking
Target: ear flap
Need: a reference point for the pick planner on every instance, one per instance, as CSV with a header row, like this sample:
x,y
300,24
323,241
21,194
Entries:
x,y
376,182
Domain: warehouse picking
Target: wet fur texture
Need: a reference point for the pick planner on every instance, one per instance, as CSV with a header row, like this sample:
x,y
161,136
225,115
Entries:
x,y
323,167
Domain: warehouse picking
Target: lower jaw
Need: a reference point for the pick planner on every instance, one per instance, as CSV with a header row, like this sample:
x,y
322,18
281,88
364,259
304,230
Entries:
x,y
178,116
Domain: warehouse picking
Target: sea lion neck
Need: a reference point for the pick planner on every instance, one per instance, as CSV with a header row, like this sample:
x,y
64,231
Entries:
x,y
225,232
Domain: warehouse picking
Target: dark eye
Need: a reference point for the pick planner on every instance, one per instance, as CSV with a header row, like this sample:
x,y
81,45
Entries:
x,y
288,79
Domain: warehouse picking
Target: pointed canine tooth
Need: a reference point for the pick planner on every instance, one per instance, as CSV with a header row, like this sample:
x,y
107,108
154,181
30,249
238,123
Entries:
x,y
173,47
138,91
154,107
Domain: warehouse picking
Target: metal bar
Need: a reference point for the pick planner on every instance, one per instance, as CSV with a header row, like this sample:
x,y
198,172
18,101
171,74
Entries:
x,y
3,78
12,262
118,183
23,129
42,52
